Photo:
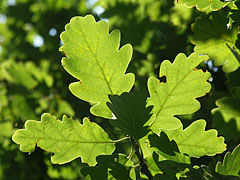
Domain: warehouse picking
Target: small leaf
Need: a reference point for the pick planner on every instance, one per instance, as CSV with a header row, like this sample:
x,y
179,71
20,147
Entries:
x,y
67,139
184,83
195,141
231,163
131,112
211,37
94,58
201,5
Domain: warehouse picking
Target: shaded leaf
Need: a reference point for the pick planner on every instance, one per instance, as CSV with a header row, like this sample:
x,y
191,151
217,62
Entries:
x,y
231,163
109,167
226,117
184,83
211,36
195,141
201,5
67,139
94,58
131,112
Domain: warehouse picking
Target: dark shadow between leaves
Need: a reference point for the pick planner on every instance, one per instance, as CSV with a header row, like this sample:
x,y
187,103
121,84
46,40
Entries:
x,y
163,143
131,113
105,164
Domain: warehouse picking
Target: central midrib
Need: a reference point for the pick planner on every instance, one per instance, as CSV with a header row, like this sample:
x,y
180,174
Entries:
x,y
96,60
161,107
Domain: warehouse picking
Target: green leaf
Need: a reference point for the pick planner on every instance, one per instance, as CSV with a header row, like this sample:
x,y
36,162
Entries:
x,y
177,96
195,141
67,139
211,36
231,163
109,167
201,5
226,117
94,58
131,113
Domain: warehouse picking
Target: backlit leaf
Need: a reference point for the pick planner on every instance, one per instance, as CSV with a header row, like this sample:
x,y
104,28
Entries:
x,y
184,83
231,163
195,141
213,5
67,139
211,37
94,58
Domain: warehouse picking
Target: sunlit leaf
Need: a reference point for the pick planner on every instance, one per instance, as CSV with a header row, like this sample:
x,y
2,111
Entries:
x,y
195,141
231,163
211,36
184,83
213,5
67,139
94,58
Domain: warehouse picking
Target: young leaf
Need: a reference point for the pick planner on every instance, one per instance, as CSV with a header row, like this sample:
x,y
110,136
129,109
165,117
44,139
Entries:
x,y
201,5
67,139
195,141
211,37
184,83
131,112
231,163
94,58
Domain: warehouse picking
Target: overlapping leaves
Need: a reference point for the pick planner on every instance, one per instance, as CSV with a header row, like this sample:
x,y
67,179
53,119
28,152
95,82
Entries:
x,y
184,83
94,58
195,141
67,139
212,37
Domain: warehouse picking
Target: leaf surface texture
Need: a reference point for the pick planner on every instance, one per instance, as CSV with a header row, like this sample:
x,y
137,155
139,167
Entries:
x,y
67,139
94,58
184,83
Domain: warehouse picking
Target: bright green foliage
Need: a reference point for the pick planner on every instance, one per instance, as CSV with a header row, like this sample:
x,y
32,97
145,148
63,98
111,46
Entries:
x,y
227,117
131,113
184,83
231,163
201,5
94,58
67,139
195,141
211,37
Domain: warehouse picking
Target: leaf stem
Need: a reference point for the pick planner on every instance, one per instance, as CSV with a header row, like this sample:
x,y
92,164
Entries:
x,y
139,154
119,140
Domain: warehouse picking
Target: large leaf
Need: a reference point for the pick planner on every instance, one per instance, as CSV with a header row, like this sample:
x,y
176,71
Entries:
x,y
195,141
231,163
131,112
94,58
213,5
184,83
211,36
67,139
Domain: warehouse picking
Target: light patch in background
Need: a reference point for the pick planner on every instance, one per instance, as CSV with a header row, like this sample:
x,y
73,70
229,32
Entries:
x,y
52,32
98,10
3,19
91,3
38,41
12,2
0,49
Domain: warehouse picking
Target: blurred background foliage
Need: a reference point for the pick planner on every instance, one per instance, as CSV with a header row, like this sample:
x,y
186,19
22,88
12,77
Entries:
x,y
32,80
